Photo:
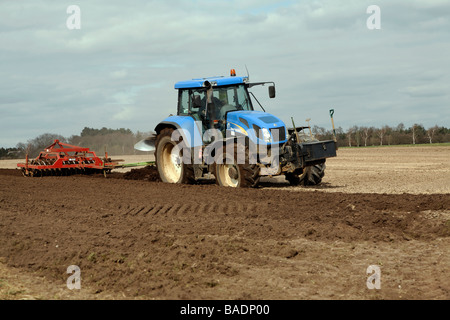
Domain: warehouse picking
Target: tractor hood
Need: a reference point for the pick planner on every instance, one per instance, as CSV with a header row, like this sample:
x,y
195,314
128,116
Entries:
x,y
261,127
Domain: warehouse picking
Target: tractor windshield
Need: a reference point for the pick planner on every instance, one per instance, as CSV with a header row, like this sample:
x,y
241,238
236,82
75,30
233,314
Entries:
x,y
231,98
224,99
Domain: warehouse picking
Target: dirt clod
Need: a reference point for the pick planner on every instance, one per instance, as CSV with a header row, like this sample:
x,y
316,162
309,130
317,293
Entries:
x,y
149,173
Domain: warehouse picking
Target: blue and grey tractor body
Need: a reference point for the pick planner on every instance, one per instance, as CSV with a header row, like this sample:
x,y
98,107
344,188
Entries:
x,y
218,132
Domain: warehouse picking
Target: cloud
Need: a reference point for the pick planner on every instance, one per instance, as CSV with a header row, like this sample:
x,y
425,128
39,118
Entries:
x,y
119,74
425,90
126,113
120,68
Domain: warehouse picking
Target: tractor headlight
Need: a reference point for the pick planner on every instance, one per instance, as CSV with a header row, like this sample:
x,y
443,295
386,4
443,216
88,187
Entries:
x,y
266,135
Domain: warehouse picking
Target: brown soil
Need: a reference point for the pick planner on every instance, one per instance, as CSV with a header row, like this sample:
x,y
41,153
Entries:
x,y
134,237
149,173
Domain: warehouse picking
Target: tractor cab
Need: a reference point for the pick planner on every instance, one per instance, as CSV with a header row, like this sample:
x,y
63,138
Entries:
x,y
210,100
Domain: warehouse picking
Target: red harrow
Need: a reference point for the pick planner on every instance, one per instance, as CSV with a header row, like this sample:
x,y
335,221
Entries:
x,y
61,159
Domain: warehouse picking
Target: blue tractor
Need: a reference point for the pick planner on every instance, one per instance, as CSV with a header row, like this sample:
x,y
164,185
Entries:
x,y
217,132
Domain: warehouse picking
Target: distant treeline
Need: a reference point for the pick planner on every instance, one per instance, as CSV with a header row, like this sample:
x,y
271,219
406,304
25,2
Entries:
x,y
9,153
121,141
386,135
114,141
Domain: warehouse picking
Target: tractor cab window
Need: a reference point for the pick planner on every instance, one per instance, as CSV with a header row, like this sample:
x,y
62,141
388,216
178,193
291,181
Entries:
x,y
197,104
183,102
192,102
231,98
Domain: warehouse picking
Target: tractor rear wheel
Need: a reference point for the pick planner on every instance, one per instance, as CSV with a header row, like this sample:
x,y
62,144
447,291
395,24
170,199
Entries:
x,y
230,173
169,160
311,176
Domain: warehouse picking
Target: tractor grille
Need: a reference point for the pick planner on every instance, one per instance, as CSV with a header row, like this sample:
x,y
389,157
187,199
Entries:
x,y
279,132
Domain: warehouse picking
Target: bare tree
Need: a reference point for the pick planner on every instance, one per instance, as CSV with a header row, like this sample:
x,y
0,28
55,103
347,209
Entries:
x,y
388,134
366,133
430,133
357,135
380,134
36,145
400,127
349,136
319,132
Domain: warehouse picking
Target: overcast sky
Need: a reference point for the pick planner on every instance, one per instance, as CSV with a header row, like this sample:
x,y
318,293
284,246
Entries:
x,y
118,70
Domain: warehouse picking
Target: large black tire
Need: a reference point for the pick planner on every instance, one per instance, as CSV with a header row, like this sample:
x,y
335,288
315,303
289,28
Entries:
x,y
170,167
311,176
229,173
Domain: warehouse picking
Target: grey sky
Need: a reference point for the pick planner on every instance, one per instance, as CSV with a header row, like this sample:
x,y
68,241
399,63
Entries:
x,y
119,69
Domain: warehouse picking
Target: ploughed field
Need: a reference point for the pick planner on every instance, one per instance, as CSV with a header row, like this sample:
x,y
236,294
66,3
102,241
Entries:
x,y
134,237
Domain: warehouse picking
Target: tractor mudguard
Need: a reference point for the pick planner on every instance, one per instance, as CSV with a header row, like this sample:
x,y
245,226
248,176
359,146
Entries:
x,y
185,127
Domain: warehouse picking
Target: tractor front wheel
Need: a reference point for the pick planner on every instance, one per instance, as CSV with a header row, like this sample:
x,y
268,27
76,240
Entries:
x,y
230,173
169,160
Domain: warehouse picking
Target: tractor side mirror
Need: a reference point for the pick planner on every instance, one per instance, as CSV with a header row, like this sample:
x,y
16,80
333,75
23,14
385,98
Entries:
x,y
272,93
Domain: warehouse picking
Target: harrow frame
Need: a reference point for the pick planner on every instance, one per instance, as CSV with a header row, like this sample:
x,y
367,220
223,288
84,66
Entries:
x,y
62,159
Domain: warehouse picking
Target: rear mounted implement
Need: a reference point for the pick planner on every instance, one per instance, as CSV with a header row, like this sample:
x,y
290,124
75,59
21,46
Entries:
x,y
61,159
